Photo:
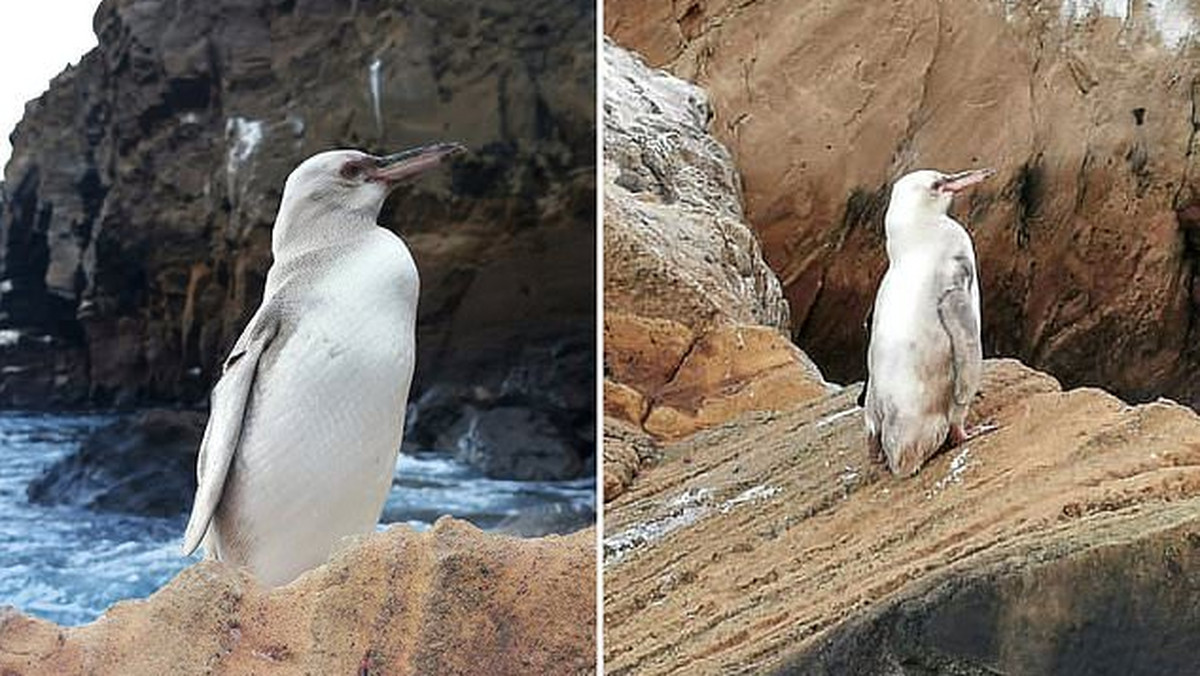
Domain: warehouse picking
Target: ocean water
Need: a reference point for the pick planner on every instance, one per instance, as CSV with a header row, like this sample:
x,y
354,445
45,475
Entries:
x,y
68,564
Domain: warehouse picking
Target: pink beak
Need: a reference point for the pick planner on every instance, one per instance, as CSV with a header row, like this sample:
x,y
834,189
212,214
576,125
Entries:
x,y
953,183
392,169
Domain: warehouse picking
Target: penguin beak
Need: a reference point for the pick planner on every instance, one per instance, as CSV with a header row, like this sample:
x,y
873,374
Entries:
x,y
392,169
953,183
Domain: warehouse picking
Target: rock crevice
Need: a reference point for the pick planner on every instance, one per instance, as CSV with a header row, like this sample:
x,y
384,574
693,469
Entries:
x,y
693,315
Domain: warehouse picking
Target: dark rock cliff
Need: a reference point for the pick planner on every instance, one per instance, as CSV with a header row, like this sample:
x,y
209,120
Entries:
x,y
135,231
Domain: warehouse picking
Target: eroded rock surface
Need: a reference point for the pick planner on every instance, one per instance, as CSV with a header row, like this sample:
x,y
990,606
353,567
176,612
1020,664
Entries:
x,y
672,381
1065,541
693,315
1087,238
626,449
676,245
442,602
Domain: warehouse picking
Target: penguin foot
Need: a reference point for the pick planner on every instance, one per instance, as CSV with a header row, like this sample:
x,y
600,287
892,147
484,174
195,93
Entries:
x,y
960,435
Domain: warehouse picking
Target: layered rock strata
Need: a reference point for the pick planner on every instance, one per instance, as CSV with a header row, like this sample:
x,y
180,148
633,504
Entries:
x,y
442,602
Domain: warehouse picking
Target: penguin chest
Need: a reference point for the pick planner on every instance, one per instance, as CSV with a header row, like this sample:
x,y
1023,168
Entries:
x,y
909,358
906,306
354,367
325,424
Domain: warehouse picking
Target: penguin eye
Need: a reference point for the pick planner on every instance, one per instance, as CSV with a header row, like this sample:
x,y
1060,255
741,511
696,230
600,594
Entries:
x,y
352,170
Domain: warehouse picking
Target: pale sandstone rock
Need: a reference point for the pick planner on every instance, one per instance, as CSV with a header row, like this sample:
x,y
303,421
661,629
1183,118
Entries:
x,y
1065,541
693,316
675,242
442,602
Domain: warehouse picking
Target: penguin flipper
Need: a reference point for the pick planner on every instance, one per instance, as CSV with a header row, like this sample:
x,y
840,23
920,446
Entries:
x,y
958,312
870,318
229,402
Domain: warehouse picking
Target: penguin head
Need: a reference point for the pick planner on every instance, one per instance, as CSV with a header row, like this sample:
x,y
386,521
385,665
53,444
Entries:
x,y
349,184
358,181
929,192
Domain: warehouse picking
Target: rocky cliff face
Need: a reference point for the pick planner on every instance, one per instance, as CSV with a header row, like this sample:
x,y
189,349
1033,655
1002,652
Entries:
x,y
693,316
1064,542
1088,237
136,228
676,245
441,602
746,529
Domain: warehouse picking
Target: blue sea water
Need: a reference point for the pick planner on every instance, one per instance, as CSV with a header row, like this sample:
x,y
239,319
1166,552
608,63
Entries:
x,y
68,564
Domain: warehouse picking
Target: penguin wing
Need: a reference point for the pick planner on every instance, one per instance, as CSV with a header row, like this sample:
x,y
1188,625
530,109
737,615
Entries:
x,y
862,395
229,402
958,312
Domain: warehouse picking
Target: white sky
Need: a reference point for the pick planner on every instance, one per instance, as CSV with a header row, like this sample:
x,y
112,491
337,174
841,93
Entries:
x,y
38,38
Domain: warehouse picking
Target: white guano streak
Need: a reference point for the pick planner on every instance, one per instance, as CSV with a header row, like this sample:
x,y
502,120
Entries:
x,y
375,84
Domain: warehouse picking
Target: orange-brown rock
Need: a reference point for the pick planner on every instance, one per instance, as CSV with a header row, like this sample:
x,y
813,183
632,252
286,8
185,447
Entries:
x,y
453,600
672,381
1087,238
1065,541
622,402
728,371
643,352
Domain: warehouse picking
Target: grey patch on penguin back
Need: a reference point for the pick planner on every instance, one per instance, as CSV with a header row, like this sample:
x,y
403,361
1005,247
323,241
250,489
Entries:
x,y
957,315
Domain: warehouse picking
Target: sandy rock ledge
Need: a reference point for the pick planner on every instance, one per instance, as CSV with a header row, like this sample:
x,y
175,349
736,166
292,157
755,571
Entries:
x,y
447,601
1067,541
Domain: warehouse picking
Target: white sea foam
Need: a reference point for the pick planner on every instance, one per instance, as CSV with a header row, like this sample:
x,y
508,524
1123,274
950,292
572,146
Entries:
x,y
69,564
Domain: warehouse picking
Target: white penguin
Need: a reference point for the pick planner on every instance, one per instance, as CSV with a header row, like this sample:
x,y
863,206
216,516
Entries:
x,y
307,417
925,357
